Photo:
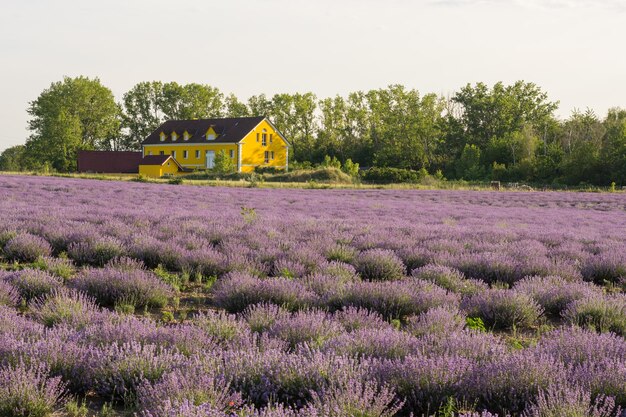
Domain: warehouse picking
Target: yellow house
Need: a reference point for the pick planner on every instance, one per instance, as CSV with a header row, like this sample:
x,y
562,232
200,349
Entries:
x,y
249,141
158,166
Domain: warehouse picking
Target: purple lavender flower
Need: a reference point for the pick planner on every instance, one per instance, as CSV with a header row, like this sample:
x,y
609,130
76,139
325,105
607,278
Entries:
x,y
503,309
32,283
27,390
26,248
110,286
379,265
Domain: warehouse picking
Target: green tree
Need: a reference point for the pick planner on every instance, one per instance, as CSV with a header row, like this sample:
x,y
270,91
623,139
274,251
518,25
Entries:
x,y
235,108
501,110
613,152
12,159
141,112
76,113
350,168
468,166
223,163
149,104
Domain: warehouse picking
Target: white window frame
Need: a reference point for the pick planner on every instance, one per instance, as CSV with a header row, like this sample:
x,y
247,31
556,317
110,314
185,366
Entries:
x,y
197,154
272,155
185,154
174,154
267,157
231,153
162,136
174,136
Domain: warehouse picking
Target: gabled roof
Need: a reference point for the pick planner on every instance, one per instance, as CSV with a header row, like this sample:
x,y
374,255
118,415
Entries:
x,y
228,130
158,160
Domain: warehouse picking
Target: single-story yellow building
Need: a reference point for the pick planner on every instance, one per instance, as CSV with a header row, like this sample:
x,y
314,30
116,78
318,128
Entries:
x,y
159,165
250,142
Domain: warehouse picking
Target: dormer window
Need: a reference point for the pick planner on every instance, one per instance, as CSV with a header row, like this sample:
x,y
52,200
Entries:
x,y
186,135
162,136
174,136
210,136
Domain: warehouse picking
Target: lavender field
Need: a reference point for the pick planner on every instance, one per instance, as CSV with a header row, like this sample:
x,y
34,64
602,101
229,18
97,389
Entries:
x,y
121,298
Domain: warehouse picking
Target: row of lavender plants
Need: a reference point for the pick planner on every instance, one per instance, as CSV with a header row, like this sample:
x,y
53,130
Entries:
x,y
316,303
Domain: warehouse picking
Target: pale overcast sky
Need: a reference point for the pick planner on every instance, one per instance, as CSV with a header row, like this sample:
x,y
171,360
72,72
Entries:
x,y
573,49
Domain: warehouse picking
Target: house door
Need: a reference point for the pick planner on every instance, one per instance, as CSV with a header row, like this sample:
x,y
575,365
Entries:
x,y
210,159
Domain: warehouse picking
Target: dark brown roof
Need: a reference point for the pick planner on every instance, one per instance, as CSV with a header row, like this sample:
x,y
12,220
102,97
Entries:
x,y
228,130
118,162
154,159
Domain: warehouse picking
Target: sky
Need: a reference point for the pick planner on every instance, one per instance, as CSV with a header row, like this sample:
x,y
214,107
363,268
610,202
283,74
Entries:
x,y
573,49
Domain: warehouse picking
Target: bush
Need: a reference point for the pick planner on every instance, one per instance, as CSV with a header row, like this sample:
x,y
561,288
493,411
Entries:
x,y
437,321
353,398
96,252
599,313
379,265
236,291
26,248
512,381
503,309
554,293
387,175
32,283
386,343
425,383
564,400
9,295
27,390
261,317
61,267
311,327
220,326
354,318
120,370
322,175
64,306
605,267
188,384
398,299
341,253
449,278
273,375
110,286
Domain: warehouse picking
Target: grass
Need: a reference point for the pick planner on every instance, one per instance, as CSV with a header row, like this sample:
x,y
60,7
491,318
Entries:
x,y
313,179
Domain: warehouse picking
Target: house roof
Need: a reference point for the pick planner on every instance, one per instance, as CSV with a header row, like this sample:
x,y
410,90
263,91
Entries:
x,y
121,162
154,159
160,160
228,130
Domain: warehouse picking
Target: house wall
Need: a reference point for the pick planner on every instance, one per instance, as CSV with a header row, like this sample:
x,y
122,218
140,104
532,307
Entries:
x,y
191,148
153,171
253,152
157,171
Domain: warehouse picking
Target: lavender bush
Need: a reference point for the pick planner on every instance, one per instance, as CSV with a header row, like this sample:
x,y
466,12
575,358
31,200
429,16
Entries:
x,y
503,309
111,285
26,248
27,390
379,265
32,283
64,306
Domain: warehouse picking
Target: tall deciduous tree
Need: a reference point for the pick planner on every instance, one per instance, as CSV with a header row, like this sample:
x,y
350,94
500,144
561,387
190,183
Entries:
x,y
148,104
76,113
501,110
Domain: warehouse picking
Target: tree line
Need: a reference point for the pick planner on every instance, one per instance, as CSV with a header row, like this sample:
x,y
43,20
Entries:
x,y
481,132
